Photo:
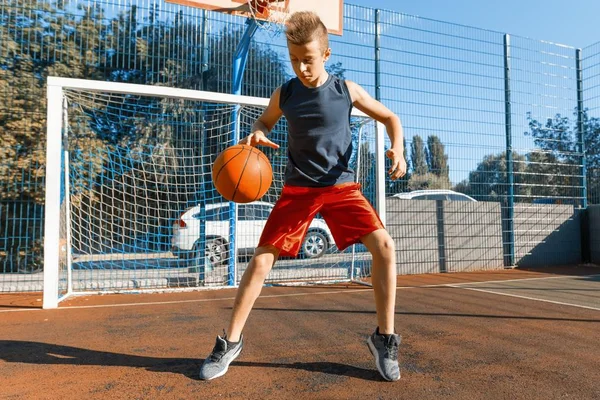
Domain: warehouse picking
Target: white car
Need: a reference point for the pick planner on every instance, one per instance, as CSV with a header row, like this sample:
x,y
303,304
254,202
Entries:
x,y
252,218
434,194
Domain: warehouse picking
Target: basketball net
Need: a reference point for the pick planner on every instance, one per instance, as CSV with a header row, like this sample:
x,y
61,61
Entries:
x,y
271,13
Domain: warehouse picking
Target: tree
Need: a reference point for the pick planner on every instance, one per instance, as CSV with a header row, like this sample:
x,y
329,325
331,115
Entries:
x,y
58,44
591,141
367,171
428,181
418,156
554,167
489,181
437,159
555,136
592,157
463,187
429,165
40,39
265,71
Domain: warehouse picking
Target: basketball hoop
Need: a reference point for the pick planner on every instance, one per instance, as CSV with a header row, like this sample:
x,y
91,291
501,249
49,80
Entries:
x,y
272,13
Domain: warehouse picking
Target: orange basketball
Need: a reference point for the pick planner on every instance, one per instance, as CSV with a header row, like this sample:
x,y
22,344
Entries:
x,y
242,173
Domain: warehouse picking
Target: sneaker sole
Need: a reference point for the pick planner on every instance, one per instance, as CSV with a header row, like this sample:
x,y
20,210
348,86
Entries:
x,y
226,368
375,354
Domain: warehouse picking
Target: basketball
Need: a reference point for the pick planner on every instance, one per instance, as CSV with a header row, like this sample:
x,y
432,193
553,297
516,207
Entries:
x,y
242,173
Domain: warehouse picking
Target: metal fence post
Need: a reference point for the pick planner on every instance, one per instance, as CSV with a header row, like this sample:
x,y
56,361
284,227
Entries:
x,y
379,133
377,57
580,126
239,67
509,243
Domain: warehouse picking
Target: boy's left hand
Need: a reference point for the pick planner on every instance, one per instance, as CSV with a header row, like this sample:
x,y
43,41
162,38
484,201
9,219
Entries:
x,y
398,168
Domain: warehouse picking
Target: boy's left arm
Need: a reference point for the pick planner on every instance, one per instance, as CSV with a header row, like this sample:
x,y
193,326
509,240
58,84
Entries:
x,y
374,109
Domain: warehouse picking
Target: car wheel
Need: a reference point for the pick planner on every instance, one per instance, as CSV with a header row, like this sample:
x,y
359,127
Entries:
x,y
215,251
314,245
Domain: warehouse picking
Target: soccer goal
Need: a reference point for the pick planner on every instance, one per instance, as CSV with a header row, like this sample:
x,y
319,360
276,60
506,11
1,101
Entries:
x,y
130,204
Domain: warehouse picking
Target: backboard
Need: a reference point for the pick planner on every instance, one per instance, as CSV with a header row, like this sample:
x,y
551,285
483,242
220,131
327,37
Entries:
x,y
330,11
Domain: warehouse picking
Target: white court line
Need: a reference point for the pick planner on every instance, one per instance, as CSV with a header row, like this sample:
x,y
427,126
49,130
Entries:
x,y
188,301
21,310
523,279
462,286
340,291
528,298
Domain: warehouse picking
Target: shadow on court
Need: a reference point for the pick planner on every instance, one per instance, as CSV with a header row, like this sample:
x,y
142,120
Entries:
x,y
14,351
464,336
445,315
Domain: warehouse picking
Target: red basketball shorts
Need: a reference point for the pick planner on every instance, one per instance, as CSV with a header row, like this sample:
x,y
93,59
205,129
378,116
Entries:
x,y
348,214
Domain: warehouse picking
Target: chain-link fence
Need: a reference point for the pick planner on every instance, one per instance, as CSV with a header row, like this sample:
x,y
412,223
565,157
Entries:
x,y
503,119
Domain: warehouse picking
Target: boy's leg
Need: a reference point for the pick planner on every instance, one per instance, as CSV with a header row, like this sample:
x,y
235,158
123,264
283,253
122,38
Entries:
x,y
229,347
283,234
384,342
249,289
351,219
383,274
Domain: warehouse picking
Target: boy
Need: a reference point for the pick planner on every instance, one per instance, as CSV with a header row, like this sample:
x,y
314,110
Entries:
x,y
318,179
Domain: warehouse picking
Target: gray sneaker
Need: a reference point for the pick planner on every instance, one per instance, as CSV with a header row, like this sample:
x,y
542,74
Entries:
x,y
217,363
385,350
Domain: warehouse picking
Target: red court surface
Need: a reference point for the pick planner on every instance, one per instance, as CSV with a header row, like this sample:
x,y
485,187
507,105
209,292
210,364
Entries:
x,y
517,336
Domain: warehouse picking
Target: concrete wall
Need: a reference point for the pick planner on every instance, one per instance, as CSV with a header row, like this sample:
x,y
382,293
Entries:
x,y
413,225
473,236
594,229
547,235
436,236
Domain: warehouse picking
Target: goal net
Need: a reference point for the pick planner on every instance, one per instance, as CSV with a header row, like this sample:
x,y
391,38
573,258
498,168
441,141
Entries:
x,y
130,204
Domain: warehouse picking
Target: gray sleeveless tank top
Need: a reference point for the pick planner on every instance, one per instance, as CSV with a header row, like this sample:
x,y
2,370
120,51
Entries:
x,y
319,139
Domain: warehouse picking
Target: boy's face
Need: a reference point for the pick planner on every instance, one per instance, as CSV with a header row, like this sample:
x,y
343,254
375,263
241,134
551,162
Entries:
x,y
308,61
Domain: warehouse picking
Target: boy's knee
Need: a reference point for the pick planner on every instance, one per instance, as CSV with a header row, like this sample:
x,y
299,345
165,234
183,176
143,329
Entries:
x,y
264,257
266,250
384,245
387,246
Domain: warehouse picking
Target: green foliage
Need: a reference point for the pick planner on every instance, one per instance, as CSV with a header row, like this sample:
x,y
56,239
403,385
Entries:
x,y
552,170
265,71
418,156
428,181
429,165
437,159
488,182
55,41
43,43
41,39
367,171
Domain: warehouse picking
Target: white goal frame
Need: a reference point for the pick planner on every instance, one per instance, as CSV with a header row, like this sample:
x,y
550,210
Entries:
x,y
56,129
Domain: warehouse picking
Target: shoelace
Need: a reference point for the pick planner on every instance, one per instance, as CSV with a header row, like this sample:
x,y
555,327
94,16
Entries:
x,y
391,346
219,350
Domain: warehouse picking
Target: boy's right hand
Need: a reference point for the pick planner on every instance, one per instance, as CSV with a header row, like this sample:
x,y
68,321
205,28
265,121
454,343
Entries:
x,y
258,139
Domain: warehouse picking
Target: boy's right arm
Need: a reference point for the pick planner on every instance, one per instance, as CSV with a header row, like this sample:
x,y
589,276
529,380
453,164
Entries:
x,y
263,125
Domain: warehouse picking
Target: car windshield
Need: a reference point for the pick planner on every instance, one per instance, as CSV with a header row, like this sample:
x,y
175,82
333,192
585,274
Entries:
x,y
458,197
253,212
431,197
246,212
214,214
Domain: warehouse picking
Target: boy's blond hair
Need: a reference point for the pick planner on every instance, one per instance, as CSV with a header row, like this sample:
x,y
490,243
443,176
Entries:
x,y
303,27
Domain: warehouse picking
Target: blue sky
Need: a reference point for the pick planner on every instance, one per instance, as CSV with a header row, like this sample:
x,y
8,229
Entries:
x,y
469,119
448,80
559,21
